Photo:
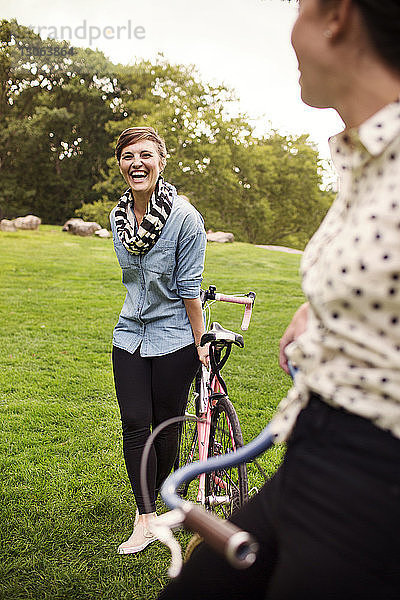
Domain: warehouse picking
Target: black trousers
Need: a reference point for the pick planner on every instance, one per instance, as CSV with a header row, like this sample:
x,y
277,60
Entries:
x,y
149,391
328,523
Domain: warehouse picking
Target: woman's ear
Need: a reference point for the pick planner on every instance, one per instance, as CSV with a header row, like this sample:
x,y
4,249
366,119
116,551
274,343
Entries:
x,y
339,19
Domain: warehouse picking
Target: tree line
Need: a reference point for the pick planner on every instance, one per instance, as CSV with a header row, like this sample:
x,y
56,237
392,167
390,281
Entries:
x,y
62,109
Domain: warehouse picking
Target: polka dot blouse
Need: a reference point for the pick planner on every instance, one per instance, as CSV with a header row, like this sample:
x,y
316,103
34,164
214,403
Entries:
x,y
350,352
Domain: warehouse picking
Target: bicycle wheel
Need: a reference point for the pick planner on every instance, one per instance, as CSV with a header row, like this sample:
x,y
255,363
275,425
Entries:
x,y
188,451
227,489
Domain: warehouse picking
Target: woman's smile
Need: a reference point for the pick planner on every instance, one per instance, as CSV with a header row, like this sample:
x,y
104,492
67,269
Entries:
x,y
138,175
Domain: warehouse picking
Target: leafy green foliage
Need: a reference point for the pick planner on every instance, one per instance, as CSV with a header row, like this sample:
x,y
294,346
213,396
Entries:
x,y
264,191
53,142
98,211
61,114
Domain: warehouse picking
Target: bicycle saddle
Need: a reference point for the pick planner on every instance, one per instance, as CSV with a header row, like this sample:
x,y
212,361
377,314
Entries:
x,y
217,333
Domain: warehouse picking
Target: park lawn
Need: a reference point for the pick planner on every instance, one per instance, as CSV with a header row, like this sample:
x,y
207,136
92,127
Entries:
x,y
65,499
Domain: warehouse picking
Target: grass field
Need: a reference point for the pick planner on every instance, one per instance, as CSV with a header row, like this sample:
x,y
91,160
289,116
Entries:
x,y
65,499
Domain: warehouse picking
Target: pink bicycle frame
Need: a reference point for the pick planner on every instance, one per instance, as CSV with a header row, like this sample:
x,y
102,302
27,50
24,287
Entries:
x,y
203,426
203,430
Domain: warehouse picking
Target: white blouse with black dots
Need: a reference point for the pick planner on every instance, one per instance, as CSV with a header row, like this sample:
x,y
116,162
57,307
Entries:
x,y
350,352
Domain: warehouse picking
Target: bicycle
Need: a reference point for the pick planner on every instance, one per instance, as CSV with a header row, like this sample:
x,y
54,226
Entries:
x,y
211,448
212,427
237,546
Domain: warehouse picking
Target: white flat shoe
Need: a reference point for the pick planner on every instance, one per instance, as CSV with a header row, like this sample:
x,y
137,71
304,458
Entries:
x,y
138,541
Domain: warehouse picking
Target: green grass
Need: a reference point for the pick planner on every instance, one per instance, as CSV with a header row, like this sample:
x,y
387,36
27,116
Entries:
x,y
65,499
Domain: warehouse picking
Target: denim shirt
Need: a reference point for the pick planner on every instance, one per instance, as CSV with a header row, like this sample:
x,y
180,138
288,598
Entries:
x,y
153,314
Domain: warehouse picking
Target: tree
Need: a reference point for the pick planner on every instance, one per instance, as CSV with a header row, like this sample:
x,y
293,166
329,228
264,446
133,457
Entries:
x,y
187,113
264,191
50,152
283,173
61,113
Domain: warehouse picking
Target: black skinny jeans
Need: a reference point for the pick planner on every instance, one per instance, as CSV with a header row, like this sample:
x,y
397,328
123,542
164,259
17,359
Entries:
x,y
328,522
149,391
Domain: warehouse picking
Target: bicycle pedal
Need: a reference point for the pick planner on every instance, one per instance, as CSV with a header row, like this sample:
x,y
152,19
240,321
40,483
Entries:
x,y
212,501
215,396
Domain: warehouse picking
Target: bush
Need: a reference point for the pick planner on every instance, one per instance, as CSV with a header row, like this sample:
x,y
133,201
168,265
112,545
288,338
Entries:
x,y
97,211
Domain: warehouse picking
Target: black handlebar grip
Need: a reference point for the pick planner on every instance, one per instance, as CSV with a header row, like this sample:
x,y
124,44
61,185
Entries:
x,y
238,546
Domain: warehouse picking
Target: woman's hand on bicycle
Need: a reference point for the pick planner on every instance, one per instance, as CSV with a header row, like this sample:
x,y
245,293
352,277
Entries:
x,y
203,352
297,326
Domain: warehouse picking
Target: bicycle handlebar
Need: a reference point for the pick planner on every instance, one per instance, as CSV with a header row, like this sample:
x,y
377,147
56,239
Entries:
x,y
236,545
242,455
248,300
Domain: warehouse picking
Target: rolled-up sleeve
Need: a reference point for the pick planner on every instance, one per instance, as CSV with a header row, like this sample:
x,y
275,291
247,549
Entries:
x,y
190,261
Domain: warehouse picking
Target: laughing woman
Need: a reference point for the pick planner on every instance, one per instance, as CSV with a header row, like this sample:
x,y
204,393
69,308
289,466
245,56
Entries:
x,y
159,240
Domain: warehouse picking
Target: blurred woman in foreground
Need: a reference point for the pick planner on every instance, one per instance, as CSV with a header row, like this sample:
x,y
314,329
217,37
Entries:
x,y
328,522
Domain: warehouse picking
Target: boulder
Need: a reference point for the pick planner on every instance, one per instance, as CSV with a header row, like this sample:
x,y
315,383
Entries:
x,y
28,222
6,225
219,236
86,229
68,225
81,227
103,233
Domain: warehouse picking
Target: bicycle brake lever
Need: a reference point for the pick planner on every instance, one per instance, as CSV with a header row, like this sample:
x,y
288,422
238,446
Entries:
x,y
161,527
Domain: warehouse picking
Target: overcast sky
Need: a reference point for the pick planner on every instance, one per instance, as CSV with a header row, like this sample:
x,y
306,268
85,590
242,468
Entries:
x,y
244,44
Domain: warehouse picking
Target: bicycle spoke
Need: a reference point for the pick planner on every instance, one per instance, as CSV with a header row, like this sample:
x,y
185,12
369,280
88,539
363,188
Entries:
x,y
188,446
226,488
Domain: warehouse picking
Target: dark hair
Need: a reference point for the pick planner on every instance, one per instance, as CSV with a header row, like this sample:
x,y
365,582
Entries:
x,y
382,22
136,134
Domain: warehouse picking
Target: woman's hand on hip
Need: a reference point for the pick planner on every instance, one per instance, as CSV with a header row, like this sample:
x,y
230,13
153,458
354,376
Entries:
x,y
297,326
203,352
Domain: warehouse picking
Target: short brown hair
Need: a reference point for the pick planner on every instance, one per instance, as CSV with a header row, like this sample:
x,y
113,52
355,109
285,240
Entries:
x,y
136,134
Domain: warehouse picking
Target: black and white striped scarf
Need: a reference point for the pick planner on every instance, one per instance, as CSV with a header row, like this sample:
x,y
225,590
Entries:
x,y
157,213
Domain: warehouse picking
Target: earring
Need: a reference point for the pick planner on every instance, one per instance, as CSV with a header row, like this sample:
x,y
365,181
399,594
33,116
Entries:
x,y
328,33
